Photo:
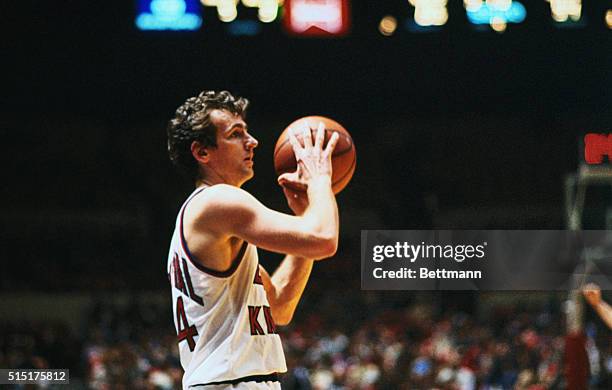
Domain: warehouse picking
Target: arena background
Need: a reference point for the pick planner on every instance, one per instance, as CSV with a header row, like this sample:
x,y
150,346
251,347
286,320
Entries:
x,y
455,127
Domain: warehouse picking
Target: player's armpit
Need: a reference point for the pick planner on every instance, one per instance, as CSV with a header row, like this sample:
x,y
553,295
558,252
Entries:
x,y
285,288
230,211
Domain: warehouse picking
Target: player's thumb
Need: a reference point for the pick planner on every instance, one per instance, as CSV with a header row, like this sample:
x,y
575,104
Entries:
x,y
289,177
291,180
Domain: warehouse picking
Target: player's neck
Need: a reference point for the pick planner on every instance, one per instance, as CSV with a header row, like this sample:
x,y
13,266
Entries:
x,y
206,182
211,180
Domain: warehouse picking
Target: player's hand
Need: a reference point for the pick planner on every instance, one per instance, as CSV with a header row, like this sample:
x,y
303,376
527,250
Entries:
x,y
297,200
592,293
313,161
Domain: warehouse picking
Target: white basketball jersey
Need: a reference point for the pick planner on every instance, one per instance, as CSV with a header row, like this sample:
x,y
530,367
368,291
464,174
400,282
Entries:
x,y
223,320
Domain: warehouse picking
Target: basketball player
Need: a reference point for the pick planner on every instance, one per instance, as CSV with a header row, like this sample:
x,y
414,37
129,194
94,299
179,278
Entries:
x,y
226,306
592,294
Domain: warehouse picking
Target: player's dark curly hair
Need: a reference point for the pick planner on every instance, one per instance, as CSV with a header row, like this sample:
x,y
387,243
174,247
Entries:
x,y
191,122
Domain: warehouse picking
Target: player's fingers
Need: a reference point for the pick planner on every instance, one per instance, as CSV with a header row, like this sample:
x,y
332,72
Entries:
x,y
294,142
320,136
307,136
331,144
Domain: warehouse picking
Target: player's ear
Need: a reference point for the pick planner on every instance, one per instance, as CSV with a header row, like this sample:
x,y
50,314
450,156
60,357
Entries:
x,y
199,152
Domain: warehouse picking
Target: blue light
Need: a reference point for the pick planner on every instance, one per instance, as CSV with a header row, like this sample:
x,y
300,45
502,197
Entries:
x,y
168,15
485,14
244,27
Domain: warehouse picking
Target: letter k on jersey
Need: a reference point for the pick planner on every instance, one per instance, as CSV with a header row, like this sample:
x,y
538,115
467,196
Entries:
x,y
596,146
256,328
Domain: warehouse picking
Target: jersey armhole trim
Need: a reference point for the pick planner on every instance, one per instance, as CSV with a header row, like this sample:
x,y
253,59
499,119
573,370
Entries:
x,y
193,260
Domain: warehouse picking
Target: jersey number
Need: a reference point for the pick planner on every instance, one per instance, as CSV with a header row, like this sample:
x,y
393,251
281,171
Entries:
x,y
184,330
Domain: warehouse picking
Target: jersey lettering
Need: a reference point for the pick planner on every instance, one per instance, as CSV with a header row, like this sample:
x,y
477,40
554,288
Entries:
x,y
192,293
183,282
179,283
269,320
184,330
256,328
257,279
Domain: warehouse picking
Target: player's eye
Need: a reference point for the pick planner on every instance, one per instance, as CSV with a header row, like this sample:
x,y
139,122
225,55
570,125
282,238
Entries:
x,y
236,134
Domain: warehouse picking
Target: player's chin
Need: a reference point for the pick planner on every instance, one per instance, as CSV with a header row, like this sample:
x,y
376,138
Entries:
x,y
249,173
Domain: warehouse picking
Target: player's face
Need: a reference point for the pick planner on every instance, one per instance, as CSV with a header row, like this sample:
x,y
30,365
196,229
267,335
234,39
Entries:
x,y
232,159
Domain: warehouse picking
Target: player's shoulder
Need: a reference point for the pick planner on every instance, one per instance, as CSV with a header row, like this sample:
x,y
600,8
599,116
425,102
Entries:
x,y
223,194
219,199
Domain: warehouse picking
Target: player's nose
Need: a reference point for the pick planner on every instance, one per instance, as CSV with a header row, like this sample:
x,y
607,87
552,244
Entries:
x,y
252,142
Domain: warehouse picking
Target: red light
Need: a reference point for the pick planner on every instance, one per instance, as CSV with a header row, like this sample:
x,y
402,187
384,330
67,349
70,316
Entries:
x,y
596,146
317,17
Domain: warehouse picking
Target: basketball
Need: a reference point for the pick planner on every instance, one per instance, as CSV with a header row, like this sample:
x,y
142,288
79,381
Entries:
x,y
344,156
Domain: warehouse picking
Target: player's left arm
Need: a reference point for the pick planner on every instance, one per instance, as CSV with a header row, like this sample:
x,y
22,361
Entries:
x,y
285,287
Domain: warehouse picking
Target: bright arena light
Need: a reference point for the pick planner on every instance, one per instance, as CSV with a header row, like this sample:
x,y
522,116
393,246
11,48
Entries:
x,y
430,12
501,5
268,10
317,17
387,25
227,11
168,15
562,10
472,5
498,24
609,18
329,15
481,12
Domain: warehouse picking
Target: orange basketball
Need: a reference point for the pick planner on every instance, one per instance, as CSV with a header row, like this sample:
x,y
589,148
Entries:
x,y
344,157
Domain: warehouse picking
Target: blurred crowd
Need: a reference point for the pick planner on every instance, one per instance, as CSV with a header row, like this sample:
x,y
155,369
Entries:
x,y
416,349
331,344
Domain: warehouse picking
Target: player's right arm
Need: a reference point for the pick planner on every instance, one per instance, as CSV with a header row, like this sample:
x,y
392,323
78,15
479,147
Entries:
x,y
227,211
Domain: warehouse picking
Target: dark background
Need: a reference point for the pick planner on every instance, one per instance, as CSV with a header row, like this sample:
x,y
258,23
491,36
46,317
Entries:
x,y
456,128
